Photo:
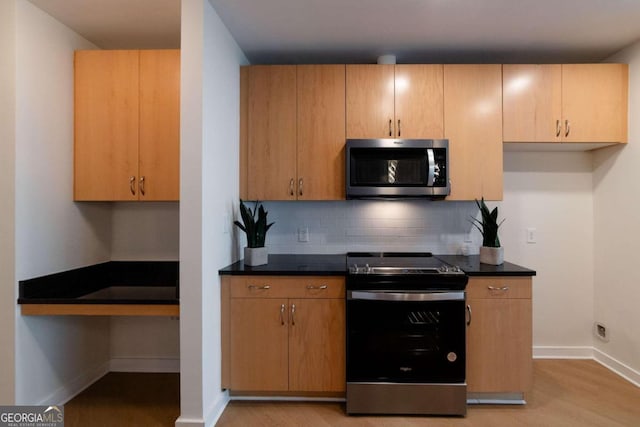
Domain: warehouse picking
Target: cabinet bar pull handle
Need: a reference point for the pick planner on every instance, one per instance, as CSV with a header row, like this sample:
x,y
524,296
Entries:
x,y
399,130
293,312
558,128
132,184
256,287
142,185
300,186
282,309
390,127
502,289
291,187
317,287
567,127
469,312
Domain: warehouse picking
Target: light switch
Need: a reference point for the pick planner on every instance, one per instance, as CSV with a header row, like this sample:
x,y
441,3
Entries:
x,y
531,235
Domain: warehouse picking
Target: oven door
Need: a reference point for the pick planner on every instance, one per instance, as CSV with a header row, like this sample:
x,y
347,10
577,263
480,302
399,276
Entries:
x,y
406,337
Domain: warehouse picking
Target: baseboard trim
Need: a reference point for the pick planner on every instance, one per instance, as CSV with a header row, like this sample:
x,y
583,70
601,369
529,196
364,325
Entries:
x,y
122,364
216,409
625,371
562,352
71,389
189,422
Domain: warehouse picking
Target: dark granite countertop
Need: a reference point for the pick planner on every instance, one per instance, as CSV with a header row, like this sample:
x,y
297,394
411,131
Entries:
x,y
336,265
472,266
292,265
113,282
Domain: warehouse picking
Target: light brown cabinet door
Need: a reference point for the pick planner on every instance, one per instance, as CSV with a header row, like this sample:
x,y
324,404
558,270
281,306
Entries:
x,y
594,102
321,132
370,101
499,355
106,125
473,125
532,102
159,134
419,101
271,131
317,345
258,344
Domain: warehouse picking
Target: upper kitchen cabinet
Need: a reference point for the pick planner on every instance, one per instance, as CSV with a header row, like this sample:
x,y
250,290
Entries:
x,y
565,103
271,132
395,101
127,124
321,132
292,132
473,125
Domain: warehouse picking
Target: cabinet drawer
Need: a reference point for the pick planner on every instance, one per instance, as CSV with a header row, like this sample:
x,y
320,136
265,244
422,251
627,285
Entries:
x,y
499,287
287,287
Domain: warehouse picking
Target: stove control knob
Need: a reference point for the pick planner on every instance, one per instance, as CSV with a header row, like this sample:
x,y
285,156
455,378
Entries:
x,y
456,269
354,269
367,269
443,269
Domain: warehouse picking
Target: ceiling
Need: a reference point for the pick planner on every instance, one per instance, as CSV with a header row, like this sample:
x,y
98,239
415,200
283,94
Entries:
x,y
317,31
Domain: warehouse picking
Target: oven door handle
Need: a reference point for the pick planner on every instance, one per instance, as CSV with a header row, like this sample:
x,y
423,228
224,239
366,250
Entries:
x,y
406,296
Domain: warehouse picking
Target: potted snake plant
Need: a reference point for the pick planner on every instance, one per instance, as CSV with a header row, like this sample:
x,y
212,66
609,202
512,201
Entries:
x,y
491,252
255,253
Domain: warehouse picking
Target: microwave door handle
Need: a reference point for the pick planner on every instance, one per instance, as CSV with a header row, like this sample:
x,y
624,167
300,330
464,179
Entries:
x,y
431,166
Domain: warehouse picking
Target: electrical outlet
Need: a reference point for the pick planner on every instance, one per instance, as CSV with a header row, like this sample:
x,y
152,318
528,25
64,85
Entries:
x,y
600,331
225,223
531,235
303,234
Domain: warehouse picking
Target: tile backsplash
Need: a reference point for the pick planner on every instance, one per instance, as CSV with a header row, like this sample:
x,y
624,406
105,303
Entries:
x,y
366,225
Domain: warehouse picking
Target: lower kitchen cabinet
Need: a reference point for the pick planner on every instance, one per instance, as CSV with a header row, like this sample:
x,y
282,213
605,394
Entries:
x,y
283,334
499,335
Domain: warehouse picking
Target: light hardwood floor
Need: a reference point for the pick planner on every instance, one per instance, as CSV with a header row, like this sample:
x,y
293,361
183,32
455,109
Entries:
x,y
126,400
578,393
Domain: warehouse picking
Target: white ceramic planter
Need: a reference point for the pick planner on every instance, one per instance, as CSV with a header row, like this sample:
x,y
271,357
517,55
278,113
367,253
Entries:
x,y
493,256
256,256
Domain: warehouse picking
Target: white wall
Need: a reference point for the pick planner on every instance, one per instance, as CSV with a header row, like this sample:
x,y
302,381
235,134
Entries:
x,y
145,231
210,95
55,356
551,192
617,280
7,207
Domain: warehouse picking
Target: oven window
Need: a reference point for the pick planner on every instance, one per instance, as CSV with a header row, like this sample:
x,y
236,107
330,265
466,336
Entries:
x,y
388,167
398,341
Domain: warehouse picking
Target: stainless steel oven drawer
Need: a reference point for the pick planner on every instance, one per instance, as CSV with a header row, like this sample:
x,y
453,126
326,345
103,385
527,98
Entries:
x,y
410,398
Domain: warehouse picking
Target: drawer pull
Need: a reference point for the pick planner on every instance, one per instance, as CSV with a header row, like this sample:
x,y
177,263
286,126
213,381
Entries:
x,y
317,287
293,312
469,317
256,287
501,289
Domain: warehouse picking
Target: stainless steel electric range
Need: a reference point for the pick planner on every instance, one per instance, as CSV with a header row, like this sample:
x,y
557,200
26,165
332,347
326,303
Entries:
x,y
406,335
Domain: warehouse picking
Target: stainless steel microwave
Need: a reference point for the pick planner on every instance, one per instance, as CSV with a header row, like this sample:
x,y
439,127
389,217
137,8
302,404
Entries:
x,y
397,168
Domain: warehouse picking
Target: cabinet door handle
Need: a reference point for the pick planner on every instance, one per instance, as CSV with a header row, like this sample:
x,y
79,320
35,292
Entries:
x,y
300,186
317,287
558,128
390,127
132,185
282,309
501,289
293,312
256,287
469,314
399,130
567,128
291,187
142,185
